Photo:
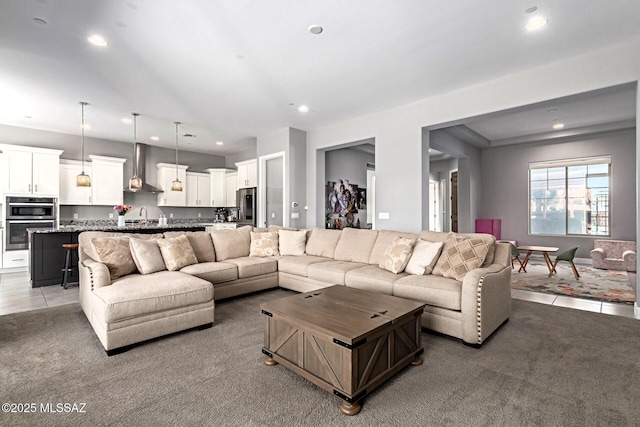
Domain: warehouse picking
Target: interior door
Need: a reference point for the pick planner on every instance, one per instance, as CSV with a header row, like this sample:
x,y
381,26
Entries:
x,y
454,201
274,172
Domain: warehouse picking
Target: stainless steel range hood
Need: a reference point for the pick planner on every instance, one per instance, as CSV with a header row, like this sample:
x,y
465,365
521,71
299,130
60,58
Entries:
x,y
141,155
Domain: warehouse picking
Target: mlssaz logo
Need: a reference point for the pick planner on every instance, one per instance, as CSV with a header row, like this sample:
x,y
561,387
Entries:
x,y
63,407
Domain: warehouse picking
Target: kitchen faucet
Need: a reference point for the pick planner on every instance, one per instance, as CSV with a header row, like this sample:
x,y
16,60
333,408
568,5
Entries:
x,y
144,221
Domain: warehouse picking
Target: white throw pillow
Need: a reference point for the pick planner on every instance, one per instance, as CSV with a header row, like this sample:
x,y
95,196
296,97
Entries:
x,y
292,242
397,255
424,257
146,254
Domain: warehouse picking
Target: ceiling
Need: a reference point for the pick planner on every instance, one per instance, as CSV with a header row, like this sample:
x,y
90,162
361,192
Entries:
x,y
233,70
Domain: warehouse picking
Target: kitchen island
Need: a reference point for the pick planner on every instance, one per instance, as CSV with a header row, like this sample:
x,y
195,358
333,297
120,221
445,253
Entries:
x,y
46,255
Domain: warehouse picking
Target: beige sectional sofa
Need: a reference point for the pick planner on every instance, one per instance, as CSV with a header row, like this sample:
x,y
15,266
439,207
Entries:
x,y
128,307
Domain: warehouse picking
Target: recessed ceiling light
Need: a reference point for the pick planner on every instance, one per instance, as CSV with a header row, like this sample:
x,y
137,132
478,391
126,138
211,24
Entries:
x,y
558,126
316,29
27,117
531,9
97,40
303,109
536,23
40,21
219,143
126,121
155,138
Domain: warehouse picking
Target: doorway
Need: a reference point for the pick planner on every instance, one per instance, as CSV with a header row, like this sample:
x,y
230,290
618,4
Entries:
x,y
454,201
271,191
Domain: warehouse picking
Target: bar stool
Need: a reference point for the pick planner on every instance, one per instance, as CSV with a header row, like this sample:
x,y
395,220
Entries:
x,y
68,248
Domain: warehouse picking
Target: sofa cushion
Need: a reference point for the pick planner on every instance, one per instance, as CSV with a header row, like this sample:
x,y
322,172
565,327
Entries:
x,y
254,266
331,271
460,255
200,242
138,295
88,250
292,242
214,272
383,241
355,245
146,255
372,278
231,243
322,242
114,252
424,257
298,264
264,244
433,290
177,252
397,255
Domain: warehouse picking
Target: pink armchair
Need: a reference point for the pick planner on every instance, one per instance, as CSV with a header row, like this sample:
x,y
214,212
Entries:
x,y
614,255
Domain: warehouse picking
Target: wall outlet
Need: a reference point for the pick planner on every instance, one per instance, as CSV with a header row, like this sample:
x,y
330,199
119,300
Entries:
x,y
199,215
111,215
75,215
171,215
273,214
383,215
295,215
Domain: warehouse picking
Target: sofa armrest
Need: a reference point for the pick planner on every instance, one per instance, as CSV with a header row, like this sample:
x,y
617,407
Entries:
x,y
598,254
98,274
486,301
629,258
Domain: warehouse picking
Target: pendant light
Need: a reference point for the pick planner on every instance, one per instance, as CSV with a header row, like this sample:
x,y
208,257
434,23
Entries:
x,y
177,184
135,183
83,180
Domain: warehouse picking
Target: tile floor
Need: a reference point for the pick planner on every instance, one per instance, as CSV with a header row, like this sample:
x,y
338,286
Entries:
x,y
16,294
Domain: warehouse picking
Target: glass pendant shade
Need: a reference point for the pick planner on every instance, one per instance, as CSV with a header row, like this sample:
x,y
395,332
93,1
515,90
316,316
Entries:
x,y
83,180
135,183
177,184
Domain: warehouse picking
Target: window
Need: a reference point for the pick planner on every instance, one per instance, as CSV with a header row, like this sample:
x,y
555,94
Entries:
x,y
570,197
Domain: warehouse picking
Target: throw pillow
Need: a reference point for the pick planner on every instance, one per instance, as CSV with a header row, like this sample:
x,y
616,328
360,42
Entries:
x,y
146,254
460,255
424,257
177,253
115,254
397,255
264,244
231,243
292,242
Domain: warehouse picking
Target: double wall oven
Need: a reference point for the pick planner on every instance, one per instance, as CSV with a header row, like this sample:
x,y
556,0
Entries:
x,y
27,212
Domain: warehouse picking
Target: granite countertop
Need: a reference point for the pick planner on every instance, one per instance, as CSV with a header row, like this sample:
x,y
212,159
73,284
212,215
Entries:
x,y
114,227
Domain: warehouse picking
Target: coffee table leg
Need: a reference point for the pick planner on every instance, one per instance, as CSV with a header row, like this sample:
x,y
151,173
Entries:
x,y
417,361
350,409
269,361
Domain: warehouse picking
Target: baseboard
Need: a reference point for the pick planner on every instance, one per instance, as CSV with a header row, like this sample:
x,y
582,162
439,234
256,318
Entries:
x,y
636,310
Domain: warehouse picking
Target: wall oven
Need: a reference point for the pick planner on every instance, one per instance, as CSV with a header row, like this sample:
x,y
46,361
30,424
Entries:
x,y
27,212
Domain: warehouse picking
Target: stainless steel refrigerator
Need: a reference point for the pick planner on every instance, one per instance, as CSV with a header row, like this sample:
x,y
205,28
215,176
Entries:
x,y
246,199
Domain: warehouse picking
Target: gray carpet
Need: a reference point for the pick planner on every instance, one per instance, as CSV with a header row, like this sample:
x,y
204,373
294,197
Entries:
x,y
546,366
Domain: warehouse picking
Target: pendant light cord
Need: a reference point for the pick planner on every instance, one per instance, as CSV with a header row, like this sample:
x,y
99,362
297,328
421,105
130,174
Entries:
x,y
82,104
135,152
177,123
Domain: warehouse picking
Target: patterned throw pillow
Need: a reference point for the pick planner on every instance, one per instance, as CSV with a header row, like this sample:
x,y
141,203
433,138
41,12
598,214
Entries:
x,y
146,254
460,255
115,254
177,252
424,257
264,244
397,255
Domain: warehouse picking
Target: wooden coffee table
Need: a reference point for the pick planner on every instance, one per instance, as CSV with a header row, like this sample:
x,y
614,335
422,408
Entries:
x,y
344,340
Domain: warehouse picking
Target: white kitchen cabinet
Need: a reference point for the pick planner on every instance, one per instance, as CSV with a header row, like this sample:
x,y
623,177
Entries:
x,y
232,187
247,173
198,187
15,259
219,187
220,226
30,170
166,175
1,246
70,193
107,181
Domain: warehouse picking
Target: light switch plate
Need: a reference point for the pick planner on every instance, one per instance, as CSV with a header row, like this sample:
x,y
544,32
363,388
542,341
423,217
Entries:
x,y
111,215
75,215
295,215
171,215
383,215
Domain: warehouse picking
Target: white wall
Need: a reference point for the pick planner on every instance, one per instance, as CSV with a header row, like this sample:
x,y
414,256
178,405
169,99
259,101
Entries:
x,y
398,131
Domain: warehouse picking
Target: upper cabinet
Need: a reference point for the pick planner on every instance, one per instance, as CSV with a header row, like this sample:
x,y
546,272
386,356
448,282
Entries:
x,y
166,175
232,187
198,188
247,173
107,181
28,170
220,187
